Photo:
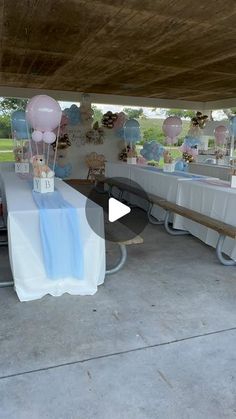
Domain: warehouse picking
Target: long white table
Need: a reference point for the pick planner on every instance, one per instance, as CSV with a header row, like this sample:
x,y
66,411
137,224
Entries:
x,y
212,197
215,170
151,181
209,196
25,251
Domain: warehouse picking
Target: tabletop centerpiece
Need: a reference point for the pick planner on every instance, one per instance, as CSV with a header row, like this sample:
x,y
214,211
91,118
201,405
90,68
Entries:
x,y
172,127
20,137
131,136
43,115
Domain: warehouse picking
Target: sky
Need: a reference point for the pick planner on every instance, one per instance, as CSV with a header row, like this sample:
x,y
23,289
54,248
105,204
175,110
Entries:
x,y
118,108
218,115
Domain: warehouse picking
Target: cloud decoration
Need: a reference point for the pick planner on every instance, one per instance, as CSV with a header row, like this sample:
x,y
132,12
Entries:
x,y
191,142
152,151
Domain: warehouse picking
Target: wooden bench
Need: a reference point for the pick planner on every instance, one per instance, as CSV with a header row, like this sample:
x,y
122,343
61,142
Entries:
x,y
224,229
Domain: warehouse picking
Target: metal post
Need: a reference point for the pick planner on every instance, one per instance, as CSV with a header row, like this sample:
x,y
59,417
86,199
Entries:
x,y
225,261
122,260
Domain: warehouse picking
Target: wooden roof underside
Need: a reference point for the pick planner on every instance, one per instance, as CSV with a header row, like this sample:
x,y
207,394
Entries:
x,y
169,49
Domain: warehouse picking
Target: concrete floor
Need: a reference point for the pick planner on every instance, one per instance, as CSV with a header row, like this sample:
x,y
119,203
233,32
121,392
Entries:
x,y
157,341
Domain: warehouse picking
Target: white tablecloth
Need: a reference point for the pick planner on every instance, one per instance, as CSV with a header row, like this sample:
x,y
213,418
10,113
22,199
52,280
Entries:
x,y
211,197
215,170
25,250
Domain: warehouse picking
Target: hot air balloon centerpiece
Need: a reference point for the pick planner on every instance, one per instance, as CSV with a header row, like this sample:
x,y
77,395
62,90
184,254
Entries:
x,y
43,115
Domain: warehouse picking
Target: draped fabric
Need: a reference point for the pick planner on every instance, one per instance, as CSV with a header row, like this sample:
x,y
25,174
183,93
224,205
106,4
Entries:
x,y
60,236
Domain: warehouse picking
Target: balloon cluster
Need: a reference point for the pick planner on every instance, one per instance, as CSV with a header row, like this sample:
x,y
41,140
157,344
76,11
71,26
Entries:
x,y
73,114
95,135
64,122
132,132
109,119
199,120
221,133
172,127
152,151
124,153
189,153
63,143
43,114
86,113
120,120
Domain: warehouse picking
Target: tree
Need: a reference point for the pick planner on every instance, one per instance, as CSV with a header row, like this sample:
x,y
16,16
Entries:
x,y
8,105
181,113
97,114
133,113
5,126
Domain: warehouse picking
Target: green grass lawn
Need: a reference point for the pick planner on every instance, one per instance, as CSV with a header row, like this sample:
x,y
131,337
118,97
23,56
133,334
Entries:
x,y
6,144
4,157
151,129
6,147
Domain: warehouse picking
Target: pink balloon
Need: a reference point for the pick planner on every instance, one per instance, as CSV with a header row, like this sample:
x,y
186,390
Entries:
x,y
37,136
49,137
171,140
64,120
43,113
119,122
172,127
28,108
221,132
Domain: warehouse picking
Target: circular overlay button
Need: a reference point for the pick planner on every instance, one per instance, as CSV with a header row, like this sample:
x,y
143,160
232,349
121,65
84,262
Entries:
x,y
124,205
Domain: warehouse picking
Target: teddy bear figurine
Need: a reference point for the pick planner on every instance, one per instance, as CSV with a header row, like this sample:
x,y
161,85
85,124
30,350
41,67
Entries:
x,y
40,168
19,154
167,157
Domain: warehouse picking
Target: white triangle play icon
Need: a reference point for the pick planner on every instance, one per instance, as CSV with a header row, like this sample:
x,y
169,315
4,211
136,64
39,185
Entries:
x,y
116,210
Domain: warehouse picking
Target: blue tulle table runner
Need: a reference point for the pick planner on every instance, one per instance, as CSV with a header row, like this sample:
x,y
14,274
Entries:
x,y
177,173
60,236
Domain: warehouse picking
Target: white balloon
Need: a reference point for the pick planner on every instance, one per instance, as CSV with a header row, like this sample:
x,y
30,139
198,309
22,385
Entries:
x,y
49,137
37,136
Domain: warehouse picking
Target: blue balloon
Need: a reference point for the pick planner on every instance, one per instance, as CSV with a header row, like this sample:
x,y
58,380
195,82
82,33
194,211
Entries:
x,y
232,124
63,172
19,125
181,165
132,132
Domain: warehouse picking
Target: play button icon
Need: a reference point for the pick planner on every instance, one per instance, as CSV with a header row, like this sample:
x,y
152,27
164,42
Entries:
x,y
116,210
124,219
